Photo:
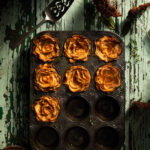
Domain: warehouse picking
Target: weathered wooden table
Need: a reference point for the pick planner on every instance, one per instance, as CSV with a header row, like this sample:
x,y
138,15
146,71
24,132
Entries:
x,y
18,17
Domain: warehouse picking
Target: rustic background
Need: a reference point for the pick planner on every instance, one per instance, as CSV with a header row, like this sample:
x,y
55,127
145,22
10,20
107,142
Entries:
x,y
17,17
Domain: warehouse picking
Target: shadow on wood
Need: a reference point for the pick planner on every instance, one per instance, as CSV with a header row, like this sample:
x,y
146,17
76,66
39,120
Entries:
x,y
20,101
139,126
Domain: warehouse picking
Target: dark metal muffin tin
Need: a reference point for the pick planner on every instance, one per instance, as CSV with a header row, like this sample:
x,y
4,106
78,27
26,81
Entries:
x,y
90,120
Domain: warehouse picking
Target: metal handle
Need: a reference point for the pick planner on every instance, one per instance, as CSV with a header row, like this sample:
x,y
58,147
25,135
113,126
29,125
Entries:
x,y
27,34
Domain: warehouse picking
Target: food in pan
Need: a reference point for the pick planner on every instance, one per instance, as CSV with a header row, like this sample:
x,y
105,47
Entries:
x,y
46,48
47,109
107,78
47,78
107,48
77,48
77,78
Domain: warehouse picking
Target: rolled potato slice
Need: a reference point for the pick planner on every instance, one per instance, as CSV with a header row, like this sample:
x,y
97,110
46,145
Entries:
x,y
46,78
77,48
77,79
47,109
107,78
46,48
107,48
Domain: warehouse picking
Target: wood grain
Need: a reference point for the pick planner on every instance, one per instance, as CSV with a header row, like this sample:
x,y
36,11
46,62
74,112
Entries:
x,y
19,18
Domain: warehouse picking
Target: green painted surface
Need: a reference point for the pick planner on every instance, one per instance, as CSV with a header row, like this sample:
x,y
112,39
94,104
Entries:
x,y
14,100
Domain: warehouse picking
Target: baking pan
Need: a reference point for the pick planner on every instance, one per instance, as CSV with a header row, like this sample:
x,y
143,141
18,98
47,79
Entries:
x,y
90,120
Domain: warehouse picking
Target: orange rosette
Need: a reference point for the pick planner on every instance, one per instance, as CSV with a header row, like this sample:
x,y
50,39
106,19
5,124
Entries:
x,y
47,109
46,48
77,79
77,48
107,78
47,78
107,48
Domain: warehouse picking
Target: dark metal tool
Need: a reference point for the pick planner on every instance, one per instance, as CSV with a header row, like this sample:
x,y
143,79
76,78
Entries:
x,y
53,12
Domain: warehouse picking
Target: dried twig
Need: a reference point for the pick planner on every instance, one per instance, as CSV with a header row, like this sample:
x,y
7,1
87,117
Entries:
x,y
133,14
106,8
136,12
108,22
141,105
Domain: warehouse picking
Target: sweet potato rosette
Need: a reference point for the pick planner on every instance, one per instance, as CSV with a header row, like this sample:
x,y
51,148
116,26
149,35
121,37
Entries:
x,y
47,78
77,78
77,48
46,48
107,48
47,109
107,78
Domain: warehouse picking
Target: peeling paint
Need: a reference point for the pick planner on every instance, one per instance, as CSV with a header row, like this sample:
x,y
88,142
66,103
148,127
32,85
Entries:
x,y
1,113
89,14
14,114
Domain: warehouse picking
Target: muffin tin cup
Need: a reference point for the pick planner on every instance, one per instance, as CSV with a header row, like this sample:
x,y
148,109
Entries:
x,y
84,116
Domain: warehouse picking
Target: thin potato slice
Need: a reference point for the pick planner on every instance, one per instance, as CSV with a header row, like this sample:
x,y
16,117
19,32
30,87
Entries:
x,y
107,78
77,79
46,48
77,48
47,109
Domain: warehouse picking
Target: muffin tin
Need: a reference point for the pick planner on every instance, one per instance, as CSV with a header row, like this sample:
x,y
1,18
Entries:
x,y
90,120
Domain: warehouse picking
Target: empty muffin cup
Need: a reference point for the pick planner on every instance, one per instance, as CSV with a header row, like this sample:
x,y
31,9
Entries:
x,y
107,108
106,138
76,138
77,108
47,138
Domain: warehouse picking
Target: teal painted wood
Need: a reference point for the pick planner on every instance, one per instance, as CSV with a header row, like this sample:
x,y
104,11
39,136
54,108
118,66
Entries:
x,y
14,66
